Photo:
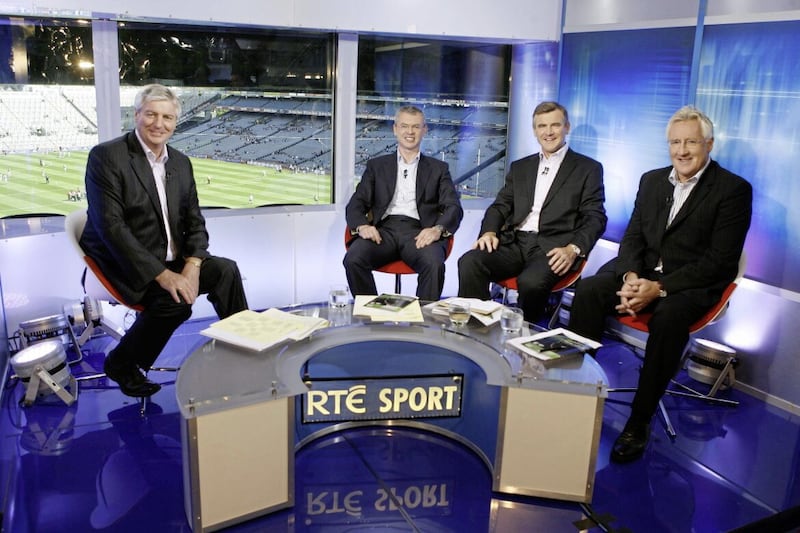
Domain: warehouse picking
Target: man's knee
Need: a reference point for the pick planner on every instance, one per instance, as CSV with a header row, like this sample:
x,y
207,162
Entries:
x,y
469,262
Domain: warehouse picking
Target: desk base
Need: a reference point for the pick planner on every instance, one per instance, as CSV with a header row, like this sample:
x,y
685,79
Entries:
x,y
547,444
239,463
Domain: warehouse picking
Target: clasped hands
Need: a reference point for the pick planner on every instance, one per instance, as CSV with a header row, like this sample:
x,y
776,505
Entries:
x,y
184,286
560,259
636,294
425,237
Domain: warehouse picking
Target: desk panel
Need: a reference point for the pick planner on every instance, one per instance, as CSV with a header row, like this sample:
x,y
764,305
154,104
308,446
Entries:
x,y
242,405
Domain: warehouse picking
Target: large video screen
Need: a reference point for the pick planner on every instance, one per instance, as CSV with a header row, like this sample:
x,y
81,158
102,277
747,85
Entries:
x,y
620,89
749,83
622,86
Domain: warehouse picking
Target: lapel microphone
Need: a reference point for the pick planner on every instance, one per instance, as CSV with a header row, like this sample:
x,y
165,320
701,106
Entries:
x,y
405,173
545,171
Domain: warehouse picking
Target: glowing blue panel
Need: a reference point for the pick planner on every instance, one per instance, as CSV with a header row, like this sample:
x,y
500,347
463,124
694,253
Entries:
x,y
620,89
749,84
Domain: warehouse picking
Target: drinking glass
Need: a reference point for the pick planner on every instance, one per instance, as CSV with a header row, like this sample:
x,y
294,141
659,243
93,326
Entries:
x,y
338,296
459,314
511,320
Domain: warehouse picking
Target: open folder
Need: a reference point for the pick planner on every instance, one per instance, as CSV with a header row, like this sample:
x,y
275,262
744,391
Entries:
x,y
258,331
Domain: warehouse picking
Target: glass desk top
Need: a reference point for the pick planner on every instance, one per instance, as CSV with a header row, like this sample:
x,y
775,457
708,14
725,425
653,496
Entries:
x,y
219,376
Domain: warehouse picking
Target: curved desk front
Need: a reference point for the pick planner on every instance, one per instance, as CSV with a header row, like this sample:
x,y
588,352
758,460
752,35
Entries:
x,y
245,413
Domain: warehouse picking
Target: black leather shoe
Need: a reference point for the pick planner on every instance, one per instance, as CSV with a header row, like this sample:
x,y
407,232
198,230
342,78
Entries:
x,y
131,381
630,444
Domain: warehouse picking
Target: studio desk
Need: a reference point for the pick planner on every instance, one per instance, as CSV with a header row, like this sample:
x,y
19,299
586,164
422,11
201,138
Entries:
x,y
245,413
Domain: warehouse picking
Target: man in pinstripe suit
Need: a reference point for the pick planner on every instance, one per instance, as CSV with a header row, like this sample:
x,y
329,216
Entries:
x,y
146,232
679,252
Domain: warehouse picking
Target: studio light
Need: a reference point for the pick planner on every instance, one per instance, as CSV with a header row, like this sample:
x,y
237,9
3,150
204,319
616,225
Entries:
x,y
711,363
43,368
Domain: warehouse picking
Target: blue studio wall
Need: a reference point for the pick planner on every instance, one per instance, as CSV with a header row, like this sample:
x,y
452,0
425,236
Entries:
x,y
621,87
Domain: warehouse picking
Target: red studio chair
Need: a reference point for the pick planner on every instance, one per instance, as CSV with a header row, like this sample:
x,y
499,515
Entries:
x,y
566,281
95,284
398,268
638,342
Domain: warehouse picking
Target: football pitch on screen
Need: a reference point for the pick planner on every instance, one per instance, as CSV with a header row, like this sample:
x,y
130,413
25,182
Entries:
x,y
53,183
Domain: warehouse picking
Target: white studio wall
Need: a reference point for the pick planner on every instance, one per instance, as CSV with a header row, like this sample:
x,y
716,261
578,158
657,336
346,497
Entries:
x,y
516,20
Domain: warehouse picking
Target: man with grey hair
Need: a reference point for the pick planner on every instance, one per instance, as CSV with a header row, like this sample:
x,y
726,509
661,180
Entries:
x,y
680,250
145,231
404,207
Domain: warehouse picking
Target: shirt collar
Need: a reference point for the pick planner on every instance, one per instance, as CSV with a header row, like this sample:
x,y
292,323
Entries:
x,y
556,157
673,175
151,155
401,161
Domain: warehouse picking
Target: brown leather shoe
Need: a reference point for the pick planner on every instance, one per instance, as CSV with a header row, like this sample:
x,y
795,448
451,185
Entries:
x,y
630,444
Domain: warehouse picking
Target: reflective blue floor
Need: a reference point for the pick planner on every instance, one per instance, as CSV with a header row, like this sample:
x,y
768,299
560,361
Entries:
x,y
102,465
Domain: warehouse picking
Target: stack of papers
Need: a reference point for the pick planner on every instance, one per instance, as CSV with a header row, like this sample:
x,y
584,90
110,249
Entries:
x,y
388,308
258,331
487,312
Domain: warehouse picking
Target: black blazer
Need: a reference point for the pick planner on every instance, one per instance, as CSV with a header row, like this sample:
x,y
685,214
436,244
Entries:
x,y
125,231
700,249
573,211
437,200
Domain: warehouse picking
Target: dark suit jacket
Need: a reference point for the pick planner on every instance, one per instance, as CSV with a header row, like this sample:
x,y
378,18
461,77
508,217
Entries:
x,y
437,200
701,247
573,211
125,231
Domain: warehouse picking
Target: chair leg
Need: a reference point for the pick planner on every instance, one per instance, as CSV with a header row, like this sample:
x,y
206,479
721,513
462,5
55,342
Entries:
x,y
667,421
397,283
143,405
554,316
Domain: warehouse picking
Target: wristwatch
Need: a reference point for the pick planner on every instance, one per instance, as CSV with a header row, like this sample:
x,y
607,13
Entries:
x,y
575,249
661,292
441,229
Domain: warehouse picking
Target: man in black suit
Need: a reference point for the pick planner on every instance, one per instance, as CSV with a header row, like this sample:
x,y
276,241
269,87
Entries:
x,y
679,252
146,233
545,219
404,207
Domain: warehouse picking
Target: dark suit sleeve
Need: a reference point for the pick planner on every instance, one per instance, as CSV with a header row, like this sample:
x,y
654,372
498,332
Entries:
x,y
108,193
502,209
361,203
448,210
716,264
591,213
189,225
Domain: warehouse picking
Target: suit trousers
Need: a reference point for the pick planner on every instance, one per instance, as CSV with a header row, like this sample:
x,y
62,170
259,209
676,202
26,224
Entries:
x,y
153,327
397,242
522,258
596,298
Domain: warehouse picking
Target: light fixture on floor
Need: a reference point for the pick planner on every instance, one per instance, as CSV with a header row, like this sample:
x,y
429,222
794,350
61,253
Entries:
x,y
44,370
87,317
45,328
711,363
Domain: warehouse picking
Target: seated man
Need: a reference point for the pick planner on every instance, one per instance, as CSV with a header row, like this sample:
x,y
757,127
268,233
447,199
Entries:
x,y
146,233
404,207
675,259
545,219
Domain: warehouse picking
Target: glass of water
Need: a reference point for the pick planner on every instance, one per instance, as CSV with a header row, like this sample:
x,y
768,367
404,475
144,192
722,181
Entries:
x,y
459,313
338,296
511,320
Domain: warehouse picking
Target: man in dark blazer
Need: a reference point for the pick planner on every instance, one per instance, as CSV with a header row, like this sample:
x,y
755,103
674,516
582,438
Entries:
x,y
545,219
146,233
680,250
405,207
